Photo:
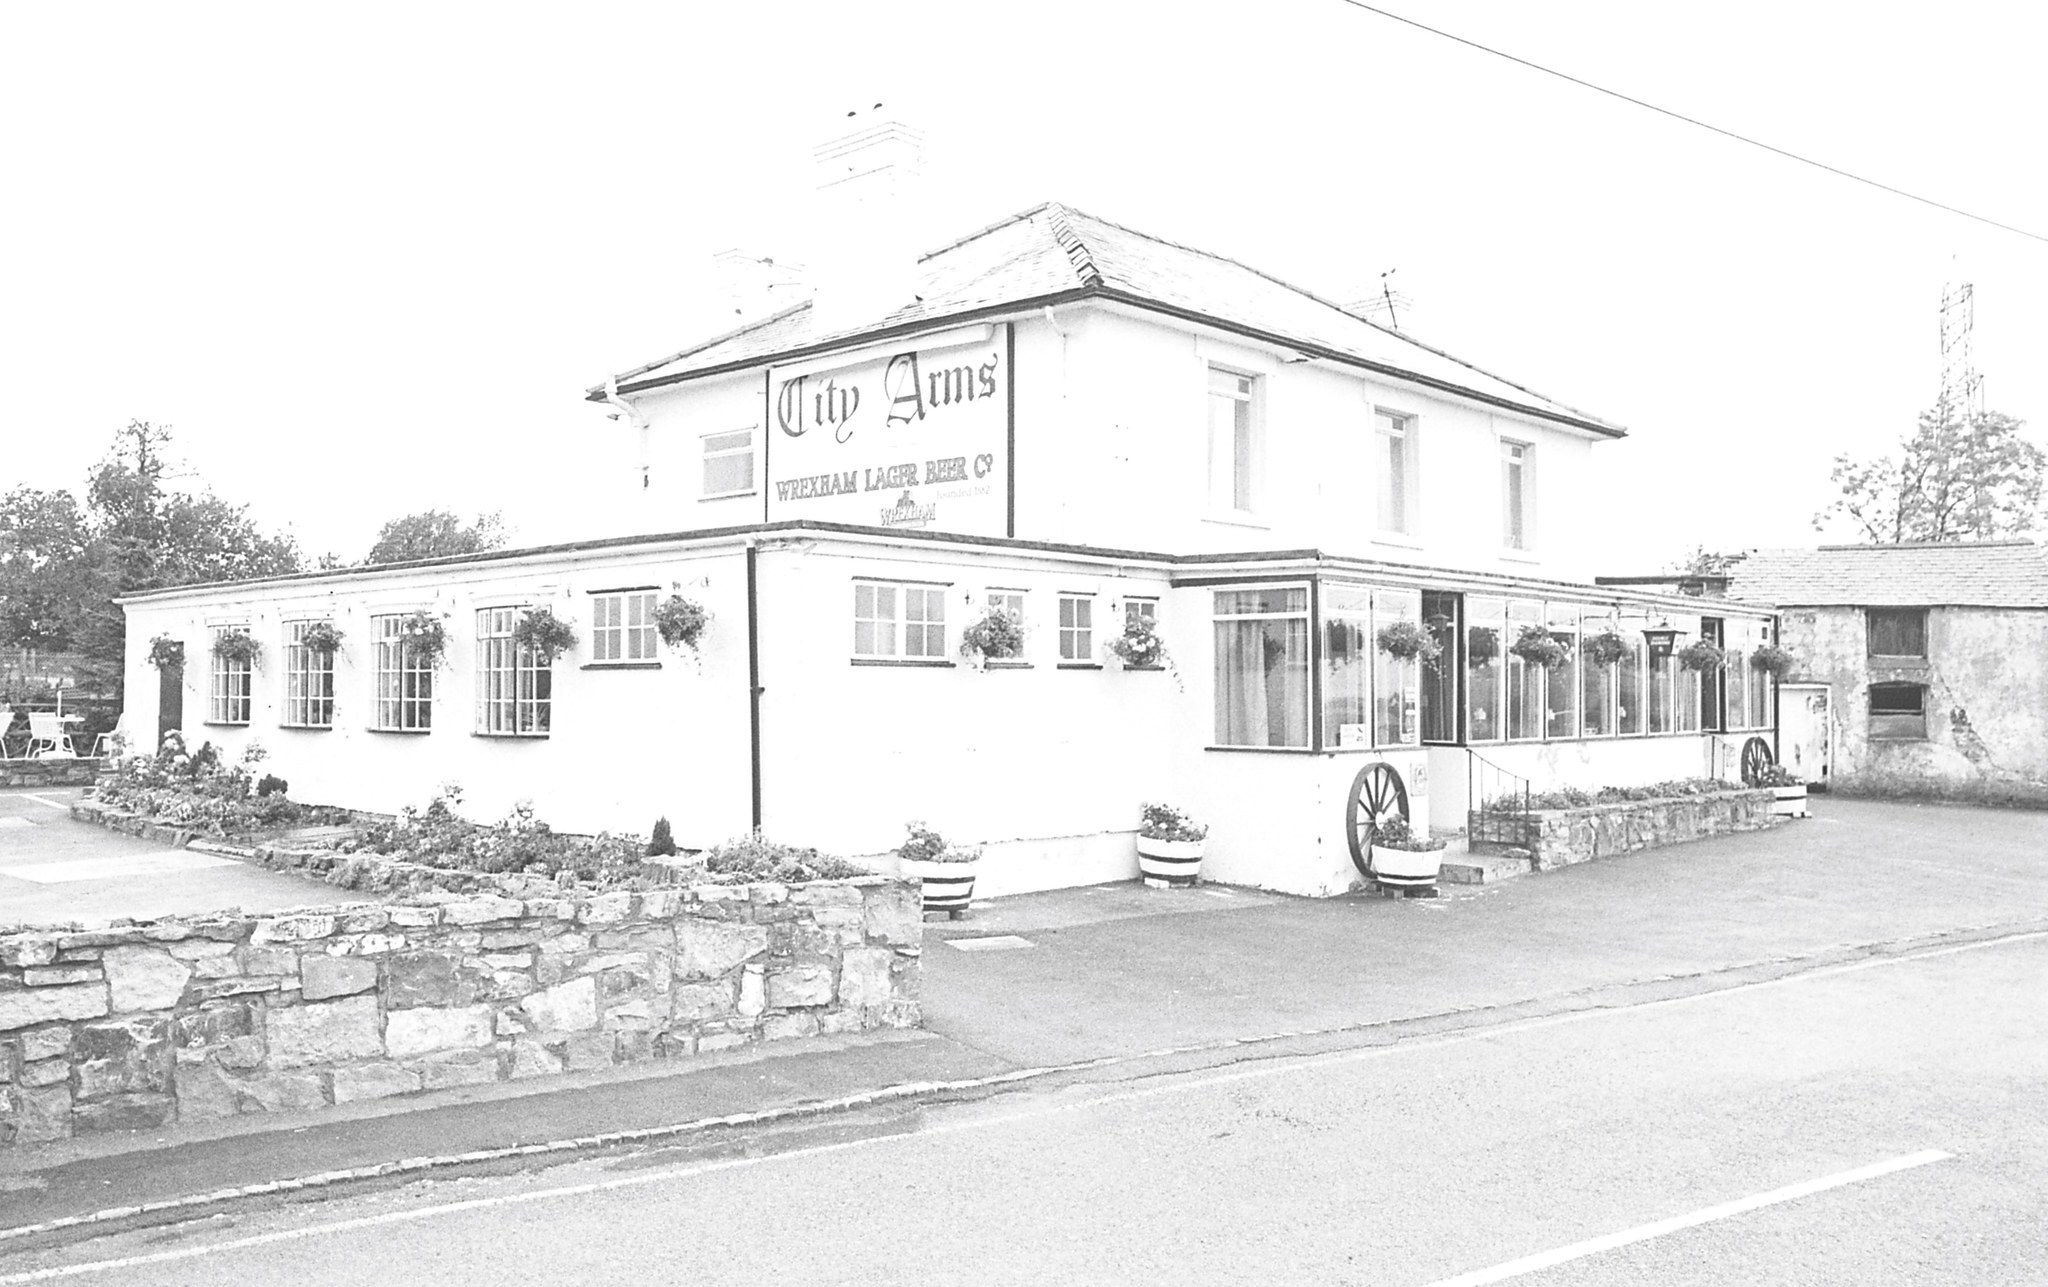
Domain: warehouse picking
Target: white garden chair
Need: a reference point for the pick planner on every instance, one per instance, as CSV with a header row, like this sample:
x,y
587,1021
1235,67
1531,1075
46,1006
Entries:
x,y
112,742
47,738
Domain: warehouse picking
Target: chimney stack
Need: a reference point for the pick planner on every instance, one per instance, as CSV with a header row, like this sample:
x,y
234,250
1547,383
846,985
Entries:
x,y
865,229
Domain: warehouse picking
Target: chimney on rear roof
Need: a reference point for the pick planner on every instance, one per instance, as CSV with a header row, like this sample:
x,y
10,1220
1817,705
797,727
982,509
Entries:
x,y
864,221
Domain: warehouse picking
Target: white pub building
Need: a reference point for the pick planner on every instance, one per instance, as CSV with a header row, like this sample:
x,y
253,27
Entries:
x,y
1055,417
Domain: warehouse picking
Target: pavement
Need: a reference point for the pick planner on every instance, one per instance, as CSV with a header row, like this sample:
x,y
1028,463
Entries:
x,y
1119,982
56,870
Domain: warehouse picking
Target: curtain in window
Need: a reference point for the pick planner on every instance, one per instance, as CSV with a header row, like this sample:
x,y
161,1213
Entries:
x,y
1262,679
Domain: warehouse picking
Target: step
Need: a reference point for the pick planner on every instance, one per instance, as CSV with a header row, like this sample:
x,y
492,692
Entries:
x,y
1485,869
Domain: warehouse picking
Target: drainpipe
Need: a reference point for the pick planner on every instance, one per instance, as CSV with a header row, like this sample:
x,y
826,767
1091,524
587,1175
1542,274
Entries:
x,y
754,674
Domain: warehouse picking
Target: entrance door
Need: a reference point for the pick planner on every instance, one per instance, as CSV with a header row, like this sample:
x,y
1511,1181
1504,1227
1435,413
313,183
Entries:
x,y
1806,732
170,703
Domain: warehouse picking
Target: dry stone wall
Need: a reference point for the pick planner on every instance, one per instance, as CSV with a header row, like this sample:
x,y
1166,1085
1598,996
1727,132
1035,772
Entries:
x,y
1564,836
138,1025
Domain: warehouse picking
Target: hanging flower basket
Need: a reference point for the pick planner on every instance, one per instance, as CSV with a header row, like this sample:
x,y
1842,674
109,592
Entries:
x,y
1139,644
546,635
424,638
680,621
1539,647
996,635
322,637
237,646
1701,655
166,653
1406,641
1482,646
1772,660
1605,648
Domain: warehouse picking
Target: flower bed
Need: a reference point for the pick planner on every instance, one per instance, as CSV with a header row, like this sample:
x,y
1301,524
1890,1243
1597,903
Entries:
x,y
1571,826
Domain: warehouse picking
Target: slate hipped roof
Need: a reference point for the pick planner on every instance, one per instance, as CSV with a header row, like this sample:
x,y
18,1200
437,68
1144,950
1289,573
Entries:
x,y
1054,254
1984,574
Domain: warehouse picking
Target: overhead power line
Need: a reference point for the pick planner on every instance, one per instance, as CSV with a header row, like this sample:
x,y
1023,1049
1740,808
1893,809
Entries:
x,y
1689,120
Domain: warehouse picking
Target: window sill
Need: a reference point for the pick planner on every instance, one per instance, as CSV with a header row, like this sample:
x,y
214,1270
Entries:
x,y
719,496
621,665
1003,664
307,728
1158,669
1079,665
401,732
513,737
225,723
914,663
1521,556
1401,539
1238,520
1265,750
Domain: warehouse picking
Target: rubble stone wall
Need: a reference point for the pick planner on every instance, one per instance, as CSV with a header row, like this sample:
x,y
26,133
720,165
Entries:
x,y
1564,836
135,1026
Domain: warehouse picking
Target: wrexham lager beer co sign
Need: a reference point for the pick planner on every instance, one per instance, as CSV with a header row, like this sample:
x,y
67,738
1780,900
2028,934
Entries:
x,y
917,438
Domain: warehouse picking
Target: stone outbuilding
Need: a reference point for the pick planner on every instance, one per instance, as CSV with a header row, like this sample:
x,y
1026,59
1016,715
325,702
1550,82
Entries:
x,y
1927,664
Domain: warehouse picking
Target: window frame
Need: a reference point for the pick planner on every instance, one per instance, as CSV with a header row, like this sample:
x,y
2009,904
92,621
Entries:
x,y
1076,637
1517,481
529,705
1305,707
1872,714
229,681
706,456
619,634
412,712
308,679
1253,478
900,622
1389,426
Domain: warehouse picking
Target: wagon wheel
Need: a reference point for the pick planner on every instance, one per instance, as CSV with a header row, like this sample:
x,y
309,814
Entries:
x,y
1378,796
1756,761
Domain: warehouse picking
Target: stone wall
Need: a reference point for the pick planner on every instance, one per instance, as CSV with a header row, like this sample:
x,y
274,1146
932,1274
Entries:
x,y
132,1027
54,772
1565,836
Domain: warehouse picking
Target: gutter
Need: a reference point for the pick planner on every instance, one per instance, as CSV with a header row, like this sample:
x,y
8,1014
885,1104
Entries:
x,y
754,676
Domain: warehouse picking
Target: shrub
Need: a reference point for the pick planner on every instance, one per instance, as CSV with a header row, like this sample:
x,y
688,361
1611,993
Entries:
x,y
663,842
271,784
1395,834
1169,822
754,857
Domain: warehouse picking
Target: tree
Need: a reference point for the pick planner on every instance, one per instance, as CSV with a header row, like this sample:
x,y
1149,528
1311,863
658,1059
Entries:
x,y
62,566
435,534
1954,480
1705,562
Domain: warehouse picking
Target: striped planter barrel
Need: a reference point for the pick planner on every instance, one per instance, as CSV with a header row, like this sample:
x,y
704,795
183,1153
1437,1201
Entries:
x,y
1789,801
948,886
1407,868
1167,863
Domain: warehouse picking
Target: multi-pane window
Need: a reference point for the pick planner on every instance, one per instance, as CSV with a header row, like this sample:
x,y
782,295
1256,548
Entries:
x,y
1146,610
1561,713
1440,678
622,626
1370,696
514,690
1514,493
1077,627
1485,646
1009,601
1527,685
1897,632
1394,446
230,685
1233,440
405,680
729,463
1628,677
1898,712
898,620
1596,683
1262,667
308,680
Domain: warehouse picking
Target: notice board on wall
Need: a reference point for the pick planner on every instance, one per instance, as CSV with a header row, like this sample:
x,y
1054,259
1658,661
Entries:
x,y
907,438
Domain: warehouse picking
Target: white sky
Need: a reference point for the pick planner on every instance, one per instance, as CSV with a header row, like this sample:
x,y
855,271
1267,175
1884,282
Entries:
x,y
366,258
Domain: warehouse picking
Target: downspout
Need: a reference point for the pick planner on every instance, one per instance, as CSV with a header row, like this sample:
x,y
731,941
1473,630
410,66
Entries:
x,y
754,674
632,418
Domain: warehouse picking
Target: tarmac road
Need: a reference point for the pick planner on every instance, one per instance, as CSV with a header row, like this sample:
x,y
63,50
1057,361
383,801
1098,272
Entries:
x,y
1885,1121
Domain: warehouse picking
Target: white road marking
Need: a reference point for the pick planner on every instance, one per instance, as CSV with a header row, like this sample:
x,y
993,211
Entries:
x,y
1177,1086
11,821
46,801
1706,1215
155,864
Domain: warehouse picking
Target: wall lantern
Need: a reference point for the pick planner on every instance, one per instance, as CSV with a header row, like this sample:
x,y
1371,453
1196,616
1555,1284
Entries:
x,y
1660,637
